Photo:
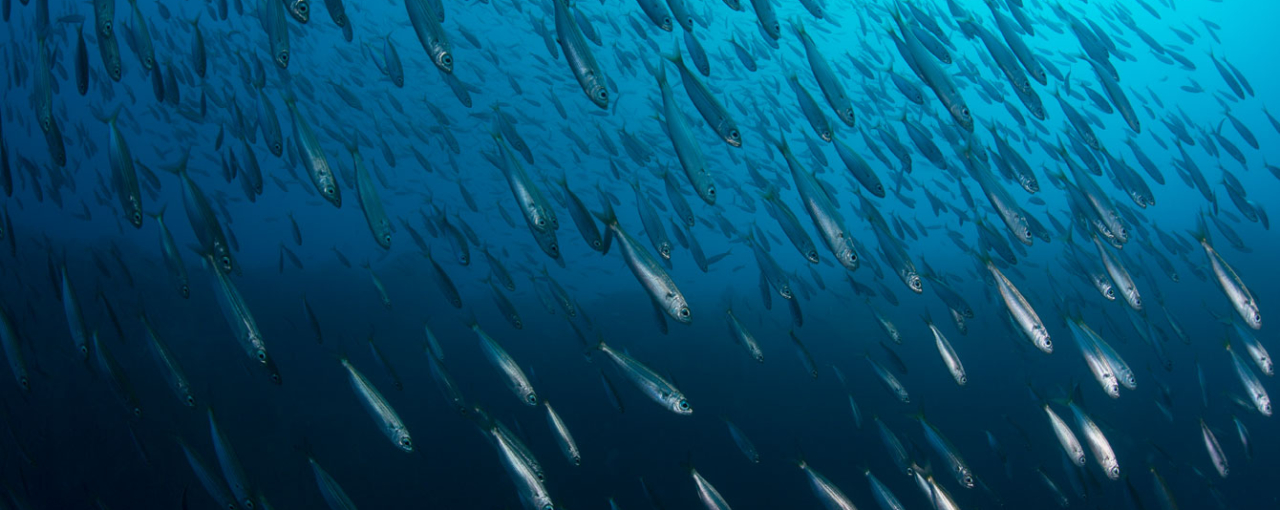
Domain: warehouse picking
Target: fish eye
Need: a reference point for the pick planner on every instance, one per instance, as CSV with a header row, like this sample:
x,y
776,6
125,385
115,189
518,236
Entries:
x,y
405,442
776,28
226,262
191,401
684,312
968,480
1115,471
964,111
684,404
26,385
84,350
302,7
963,379
387,238
531,399
137,412
555,248
262,355
446,59
548,507
603,93
711,191
733,133
1257,317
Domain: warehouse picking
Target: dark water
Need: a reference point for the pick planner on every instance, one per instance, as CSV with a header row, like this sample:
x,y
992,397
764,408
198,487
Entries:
x,y
69,442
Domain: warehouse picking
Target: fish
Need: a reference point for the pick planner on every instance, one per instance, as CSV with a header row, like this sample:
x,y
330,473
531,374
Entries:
x,y
745,445
241,322
1216,454
514,377
172,371
712,111
232,470
313,155
653,385
1229,281
686,146
375,215
656,281
378,407
830,495
567,445
428,26
80,335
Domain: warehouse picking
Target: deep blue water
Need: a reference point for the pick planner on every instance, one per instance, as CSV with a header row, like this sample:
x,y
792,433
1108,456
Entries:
x,y
69,442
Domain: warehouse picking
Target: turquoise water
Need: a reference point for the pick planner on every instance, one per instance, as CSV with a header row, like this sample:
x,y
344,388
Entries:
x,y
316,285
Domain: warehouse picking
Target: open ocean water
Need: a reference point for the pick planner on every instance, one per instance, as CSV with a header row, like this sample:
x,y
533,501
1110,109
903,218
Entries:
x,y
290,254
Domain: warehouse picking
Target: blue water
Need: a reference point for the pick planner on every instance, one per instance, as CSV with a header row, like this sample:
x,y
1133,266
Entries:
x,y
69,442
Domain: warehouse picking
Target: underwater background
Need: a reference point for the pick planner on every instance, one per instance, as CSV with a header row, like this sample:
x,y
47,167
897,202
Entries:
x,y
311,349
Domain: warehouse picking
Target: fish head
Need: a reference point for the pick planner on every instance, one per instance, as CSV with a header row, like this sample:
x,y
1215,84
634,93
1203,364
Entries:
x,y
1040,337
1135,300
1264,405
149,62
224,257
1113,470
46,121
442,56
135,214
276,147
398,80
329,189
846,115
785,291
1252,316
529,397
961,113
665,23
811,255
708,194
1112,387
106,28
914,281
272,372
664,250
300,10
732,136
679,309
25,383
679,404
403,441
114,69
184,290
966,477
1029,183
281,57
847,256
825,135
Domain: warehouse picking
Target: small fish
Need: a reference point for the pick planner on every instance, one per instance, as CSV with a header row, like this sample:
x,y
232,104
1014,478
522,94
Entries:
x,y
654,386
567,445
378,407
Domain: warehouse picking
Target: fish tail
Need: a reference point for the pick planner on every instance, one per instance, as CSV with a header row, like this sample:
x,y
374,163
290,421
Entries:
x,y
1201,232
159,215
